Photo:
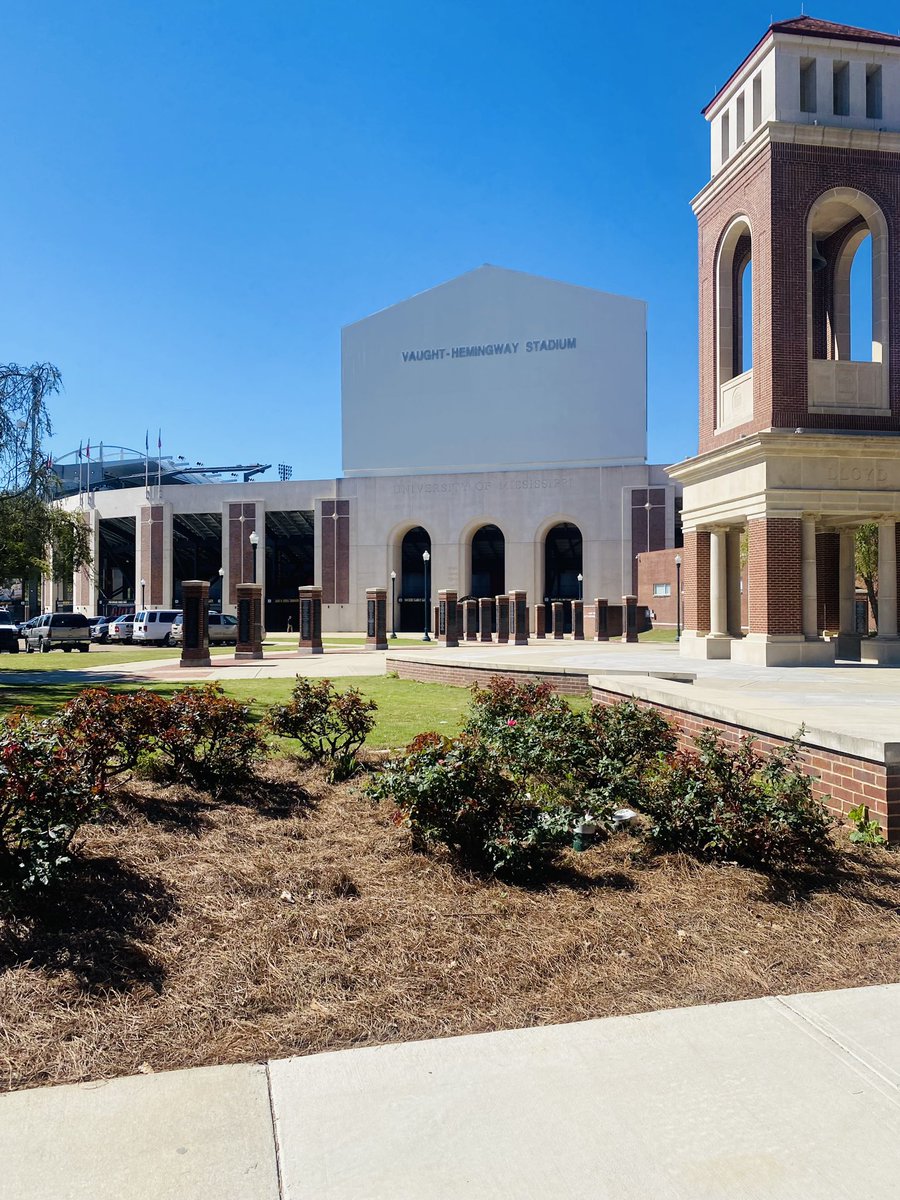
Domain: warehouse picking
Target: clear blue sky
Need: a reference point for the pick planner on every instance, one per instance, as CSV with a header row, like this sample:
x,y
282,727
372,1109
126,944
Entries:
x,y
199,193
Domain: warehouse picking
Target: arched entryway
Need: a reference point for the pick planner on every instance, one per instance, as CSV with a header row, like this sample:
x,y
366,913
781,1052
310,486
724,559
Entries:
x,y
488,562
563,563
414,615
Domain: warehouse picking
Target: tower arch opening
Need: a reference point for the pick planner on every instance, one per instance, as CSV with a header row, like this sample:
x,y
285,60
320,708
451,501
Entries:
x,y
734,325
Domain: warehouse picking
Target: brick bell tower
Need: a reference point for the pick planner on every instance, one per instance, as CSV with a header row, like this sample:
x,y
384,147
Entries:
x,y
799,256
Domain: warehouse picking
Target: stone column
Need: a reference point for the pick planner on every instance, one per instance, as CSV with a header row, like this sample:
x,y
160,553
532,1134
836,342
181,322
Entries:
x,y
559,623
376,618
718,584
448,633
629,619
310,640
195,602
810,589
518,618
502,619
887,579
847,581
733,569
602,620
249,621
578,620
485,618
540,621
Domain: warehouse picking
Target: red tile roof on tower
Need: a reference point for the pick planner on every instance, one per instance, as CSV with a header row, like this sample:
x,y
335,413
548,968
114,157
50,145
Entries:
x,y
812,27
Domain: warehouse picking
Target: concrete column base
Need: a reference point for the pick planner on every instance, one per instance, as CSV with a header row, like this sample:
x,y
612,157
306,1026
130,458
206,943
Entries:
x,y
243,655
704,645
764,650
303,651
880,650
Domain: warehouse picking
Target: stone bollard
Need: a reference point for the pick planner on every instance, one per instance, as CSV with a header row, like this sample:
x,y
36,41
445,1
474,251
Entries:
x,y
629,619
448,619
518,618
559,619
249,621
376,618
485,618
602,620
578,620
310,621
470,619
540,621
502,620
195,603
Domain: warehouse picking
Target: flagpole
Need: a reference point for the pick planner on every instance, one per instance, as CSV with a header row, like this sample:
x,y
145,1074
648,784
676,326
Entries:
x,y
147,463
158,463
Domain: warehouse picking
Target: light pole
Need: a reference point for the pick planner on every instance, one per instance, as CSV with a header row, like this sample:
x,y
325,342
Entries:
x,y
393,604
425,559
143,585
677,597
254,542
221,589
580,582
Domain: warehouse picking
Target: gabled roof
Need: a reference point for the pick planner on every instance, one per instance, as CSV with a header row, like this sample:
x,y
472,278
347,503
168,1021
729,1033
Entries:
x,y
808,27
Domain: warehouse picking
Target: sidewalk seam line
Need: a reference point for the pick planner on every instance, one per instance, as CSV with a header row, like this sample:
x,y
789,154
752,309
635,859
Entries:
x,y
275,1140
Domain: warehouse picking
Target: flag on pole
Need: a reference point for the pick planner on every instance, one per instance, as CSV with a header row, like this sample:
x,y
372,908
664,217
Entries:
x,y
88,451
146,460
159,458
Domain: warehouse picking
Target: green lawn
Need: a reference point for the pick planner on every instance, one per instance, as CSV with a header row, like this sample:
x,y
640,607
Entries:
x,y
657,635
58,660
405,707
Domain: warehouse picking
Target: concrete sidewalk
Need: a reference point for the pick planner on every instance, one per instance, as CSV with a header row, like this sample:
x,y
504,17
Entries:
x,y
781,1098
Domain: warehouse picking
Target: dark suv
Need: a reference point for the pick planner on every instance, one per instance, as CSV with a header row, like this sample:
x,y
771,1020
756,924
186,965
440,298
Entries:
x,y
59,631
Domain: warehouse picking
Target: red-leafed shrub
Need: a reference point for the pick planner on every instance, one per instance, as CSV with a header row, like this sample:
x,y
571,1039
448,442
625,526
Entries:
x,y
109,731
330,726
208,740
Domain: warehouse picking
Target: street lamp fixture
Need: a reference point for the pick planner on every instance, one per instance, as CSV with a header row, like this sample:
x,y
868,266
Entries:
x,y
393,604
580,588
677,597
143,585
254,542
426,558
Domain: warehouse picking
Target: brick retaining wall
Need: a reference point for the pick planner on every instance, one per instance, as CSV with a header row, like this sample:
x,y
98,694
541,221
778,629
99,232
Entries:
x,y
465,676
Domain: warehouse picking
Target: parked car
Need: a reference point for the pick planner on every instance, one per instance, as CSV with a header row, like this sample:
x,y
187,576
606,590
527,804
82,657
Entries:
x,y
100,631
222,629
154,626
59,631
119,629
23,625
9,637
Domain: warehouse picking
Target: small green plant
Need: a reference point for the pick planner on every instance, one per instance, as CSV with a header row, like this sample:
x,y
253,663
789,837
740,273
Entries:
x,y
44,796
207,739
329,726
867,832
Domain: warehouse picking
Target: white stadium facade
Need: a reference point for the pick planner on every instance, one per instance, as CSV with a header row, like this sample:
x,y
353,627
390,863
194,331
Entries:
x,y
497,422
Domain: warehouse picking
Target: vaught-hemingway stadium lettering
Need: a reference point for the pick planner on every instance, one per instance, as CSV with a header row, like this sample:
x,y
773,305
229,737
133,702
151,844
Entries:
x,y
488,350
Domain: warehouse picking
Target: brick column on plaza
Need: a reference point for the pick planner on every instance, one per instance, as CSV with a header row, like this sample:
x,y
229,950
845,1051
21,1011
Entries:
x,y
376,618
695,574
518,618
629,619
602,619
775,576
310,623
502,619
470,619
248,597
540,621
578,620
558,610
485,618
195,605
447,621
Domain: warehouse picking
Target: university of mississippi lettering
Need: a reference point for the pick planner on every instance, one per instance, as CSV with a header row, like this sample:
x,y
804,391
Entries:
x,y
487,350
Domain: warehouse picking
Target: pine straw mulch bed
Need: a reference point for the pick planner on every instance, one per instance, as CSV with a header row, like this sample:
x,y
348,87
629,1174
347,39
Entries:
x,y
191,933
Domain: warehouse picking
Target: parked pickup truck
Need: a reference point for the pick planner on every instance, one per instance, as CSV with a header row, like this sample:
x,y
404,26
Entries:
x,y
59,631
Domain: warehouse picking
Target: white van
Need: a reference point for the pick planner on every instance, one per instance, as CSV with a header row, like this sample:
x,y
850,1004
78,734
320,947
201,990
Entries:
x,y
154,626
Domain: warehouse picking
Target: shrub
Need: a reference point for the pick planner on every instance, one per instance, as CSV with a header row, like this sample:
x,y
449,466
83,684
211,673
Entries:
x,y
45,795
867,832
452,792
208,739
329,726
631,735
728,803
109,731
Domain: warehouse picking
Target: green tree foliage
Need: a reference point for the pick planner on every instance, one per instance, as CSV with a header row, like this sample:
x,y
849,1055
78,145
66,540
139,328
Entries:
x,y
32,528
867,561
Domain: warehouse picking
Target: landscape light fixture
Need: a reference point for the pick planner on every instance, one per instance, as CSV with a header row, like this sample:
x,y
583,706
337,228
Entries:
x,y
393,604
254,542
677,597
426,557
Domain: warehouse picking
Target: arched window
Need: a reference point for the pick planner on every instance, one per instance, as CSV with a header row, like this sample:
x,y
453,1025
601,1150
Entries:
x,y
488,562
415,578
734,326
563,563
847,303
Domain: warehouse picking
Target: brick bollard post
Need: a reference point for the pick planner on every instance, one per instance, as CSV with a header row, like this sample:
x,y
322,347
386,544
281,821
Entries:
x,y
602,634
470,619
502,620
376,618
629,619
195,602
578,620
518,618
540,621
448,620
310,641
249,621
559,620
485,619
